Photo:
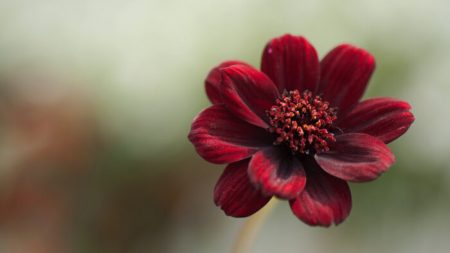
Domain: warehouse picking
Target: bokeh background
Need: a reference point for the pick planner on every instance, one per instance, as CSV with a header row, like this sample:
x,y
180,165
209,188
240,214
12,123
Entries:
x,y
97,96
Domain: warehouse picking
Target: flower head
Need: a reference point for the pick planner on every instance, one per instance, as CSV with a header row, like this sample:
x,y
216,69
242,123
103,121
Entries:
x,y
296,130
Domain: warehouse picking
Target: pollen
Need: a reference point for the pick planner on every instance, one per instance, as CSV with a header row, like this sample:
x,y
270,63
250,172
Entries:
x,y
302,122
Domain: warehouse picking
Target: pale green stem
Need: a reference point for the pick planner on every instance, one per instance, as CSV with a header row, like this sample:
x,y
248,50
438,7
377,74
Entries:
x,y
251,227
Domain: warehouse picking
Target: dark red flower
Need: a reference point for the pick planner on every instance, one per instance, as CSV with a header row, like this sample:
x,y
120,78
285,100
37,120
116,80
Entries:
x,y
296,130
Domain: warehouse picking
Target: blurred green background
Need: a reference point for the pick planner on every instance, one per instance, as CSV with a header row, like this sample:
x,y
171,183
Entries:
x,y
97,96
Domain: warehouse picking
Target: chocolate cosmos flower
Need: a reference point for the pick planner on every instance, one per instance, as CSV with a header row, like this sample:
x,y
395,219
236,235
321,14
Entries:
x,y
296,130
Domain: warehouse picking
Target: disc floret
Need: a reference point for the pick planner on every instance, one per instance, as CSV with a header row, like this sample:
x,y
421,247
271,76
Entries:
x,y
302,122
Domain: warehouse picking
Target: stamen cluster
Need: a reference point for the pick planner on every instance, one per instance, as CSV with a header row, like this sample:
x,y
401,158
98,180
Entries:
x,y
302,122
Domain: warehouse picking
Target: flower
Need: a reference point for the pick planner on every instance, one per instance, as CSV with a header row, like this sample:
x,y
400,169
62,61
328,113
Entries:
x,y
296,130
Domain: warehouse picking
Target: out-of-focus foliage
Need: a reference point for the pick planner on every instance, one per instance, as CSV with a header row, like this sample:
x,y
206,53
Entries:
x,y
96,100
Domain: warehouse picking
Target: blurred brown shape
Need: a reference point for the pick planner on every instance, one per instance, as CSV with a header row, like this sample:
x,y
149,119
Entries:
x,y
47,147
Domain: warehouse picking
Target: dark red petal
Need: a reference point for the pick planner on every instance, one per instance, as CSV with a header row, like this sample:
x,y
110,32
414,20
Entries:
x,y
213,80
324,201
385,118
248,93
234,193
356,157
345,72
220,137
277,173
292,63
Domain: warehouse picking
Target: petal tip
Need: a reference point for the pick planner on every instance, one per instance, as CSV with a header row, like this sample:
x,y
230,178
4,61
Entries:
x,y
274,174
219,137
213,80
356,157
291,62
234,193
325,201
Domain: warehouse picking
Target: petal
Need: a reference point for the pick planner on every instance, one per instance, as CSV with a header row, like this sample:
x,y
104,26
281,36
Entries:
x,y
356,157
277,173
234,193
220,137
345,72
212,82
292,63
325,200
248,93
385,118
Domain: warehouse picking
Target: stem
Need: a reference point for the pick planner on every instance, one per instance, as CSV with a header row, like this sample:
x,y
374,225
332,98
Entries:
x,y
251,228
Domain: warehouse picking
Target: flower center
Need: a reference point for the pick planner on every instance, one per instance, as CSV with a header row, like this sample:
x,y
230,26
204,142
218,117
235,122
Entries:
x,y
302,122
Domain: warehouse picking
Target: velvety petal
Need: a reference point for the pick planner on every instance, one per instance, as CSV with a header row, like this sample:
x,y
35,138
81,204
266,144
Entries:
x,y
277,173
213,80
220,137
324,201
385,118
292,63
248,93
356,157
345,72
234,193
